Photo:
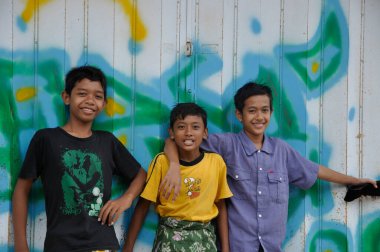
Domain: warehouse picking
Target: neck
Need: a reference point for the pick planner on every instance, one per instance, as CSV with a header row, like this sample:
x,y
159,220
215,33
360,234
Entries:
x,y
78,129
189,156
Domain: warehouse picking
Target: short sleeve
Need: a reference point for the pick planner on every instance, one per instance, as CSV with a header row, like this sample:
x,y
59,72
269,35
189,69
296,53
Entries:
x,y
302,172
153,179
32,166
223,189
126,165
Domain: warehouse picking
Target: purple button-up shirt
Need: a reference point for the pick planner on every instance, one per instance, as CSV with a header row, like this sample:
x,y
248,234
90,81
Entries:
x,y
259,181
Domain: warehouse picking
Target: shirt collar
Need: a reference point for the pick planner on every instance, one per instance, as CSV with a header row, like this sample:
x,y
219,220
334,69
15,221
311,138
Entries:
x,y
250,148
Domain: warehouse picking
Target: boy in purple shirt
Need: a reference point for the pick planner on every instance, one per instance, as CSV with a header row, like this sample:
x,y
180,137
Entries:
x,y
260,169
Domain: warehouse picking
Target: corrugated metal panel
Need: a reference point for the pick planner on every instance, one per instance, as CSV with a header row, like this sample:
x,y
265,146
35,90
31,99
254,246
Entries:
x,y
321,58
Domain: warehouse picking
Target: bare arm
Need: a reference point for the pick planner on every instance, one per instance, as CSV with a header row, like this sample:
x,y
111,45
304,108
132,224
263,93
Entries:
x,y
114,208
172,179
222,225
20,213
138,218
336,177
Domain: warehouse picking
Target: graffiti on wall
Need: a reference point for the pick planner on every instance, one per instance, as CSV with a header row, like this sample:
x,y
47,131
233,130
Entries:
x,y
30,99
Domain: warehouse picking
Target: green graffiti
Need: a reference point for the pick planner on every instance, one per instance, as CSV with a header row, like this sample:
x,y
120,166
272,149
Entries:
x,y
331,240
371,241
331,39
283,109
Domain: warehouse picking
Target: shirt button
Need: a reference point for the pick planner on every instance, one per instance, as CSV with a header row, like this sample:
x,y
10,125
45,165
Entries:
x,y
237,176
260,215
259,192
258,151
259,237
260,169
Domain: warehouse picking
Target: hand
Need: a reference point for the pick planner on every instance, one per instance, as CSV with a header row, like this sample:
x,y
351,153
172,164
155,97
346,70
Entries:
x,y
171,182
112,210
365,181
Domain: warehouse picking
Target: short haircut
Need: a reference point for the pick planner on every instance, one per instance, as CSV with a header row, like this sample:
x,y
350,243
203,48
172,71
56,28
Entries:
x,y
85,72
251,89
181,110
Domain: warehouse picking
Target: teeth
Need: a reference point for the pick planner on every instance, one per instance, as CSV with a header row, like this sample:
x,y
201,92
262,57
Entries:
x,y
87,110
188,142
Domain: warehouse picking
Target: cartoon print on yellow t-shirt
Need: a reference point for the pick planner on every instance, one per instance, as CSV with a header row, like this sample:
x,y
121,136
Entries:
x,y
193,187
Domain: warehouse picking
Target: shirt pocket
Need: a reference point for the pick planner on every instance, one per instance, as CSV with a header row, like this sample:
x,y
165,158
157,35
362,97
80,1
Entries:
x,y
240,183
278,187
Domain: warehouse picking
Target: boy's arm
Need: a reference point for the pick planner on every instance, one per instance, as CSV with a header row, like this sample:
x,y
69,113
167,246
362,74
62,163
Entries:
x,y
20,213
138,218
172,179
336,177
222,226
114,208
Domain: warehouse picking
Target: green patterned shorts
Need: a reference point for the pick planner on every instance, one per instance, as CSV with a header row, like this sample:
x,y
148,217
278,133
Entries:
x,y
178,235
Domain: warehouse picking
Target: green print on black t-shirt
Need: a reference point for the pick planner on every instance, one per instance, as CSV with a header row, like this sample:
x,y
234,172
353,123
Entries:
x,y
82,183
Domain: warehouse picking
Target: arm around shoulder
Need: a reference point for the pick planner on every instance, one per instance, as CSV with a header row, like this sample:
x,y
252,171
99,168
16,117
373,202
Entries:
x,y
20,212
172,179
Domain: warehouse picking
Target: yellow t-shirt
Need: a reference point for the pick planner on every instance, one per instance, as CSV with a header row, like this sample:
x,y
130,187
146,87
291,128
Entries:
x,y
204,182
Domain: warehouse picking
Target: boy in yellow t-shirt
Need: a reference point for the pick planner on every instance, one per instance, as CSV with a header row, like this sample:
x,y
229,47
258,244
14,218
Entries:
x,y
185,223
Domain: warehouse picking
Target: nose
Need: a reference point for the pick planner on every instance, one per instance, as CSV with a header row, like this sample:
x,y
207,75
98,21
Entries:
x,y
188,131
90,99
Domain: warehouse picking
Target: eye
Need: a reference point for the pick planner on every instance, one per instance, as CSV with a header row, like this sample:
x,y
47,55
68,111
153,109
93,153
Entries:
x,y
82,94
265,110
180,126
196,127
99,97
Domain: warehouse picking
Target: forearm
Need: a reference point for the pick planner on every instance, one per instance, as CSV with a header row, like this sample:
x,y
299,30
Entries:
x,y
138,218
336,177
222,226
136,186
20,213
172,179
171,151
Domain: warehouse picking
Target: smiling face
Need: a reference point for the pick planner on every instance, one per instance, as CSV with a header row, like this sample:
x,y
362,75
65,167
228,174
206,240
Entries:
x,y
188,134
86,101
255,117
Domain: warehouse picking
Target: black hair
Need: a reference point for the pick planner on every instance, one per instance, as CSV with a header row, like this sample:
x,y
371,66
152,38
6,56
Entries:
x,y
181,110
251,89
85,72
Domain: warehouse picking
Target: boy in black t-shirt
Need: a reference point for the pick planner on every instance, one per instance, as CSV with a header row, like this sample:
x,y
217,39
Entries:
x,y
76,165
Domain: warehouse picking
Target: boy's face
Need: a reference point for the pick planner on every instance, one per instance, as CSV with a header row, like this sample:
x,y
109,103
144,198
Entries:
x,y
188,135
255,116
86,100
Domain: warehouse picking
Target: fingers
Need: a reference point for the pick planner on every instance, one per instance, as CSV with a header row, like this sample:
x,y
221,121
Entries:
x,y
109,213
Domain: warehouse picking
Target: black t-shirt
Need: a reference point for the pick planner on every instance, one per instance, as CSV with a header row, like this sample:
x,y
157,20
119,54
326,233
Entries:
x,y
77,175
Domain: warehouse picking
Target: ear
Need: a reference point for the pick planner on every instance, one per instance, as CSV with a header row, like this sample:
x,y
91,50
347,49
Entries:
x,y
239,115
65,98
171,133
205,134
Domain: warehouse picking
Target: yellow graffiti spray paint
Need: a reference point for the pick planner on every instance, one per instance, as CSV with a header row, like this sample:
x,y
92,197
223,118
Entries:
x,y
123,139
30,9
137,27
113,108
25,93
314,67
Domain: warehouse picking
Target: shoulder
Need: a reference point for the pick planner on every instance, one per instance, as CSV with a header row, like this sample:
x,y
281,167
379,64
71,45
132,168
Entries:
x,y
104,133
107,137
46,133
277,143
214,157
